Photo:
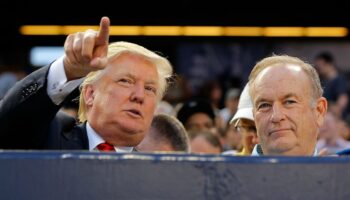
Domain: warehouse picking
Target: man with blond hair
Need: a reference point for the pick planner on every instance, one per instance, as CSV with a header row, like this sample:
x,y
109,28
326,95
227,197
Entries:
x,y
123,84
288,106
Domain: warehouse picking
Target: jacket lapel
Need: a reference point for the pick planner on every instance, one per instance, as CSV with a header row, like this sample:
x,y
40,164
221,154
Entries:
x,y
76,138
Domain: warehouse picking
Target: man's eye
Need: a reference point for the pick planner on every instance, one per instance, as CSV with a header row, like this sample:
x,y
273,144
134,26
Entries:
x,y
263,106
151,89
288,102
124,80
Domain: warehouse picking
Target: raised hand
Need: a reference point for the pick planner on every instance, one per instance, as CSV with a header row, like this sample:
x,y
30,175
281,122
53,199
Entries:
x,y
86,51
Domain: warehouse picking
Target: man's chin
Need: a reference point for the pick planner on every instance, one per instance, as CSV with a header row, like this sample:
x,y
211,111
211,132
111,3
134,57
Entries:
x,y
128,140
280,148
131,130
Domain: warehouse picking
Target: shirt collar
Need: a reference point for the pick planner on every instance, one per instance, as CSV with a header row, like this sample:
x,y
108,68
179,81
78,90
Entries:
x,y
95,139
255,151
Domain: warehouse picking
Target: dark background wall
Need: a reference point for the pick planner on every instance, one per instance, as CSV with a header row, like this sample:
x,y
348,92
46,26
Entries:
x,y
14,13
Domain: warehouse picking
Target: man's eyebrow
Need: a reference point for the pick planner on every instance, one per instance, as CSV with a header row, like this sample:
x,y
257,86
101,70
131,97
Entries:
x,y
128,74
290,95
152,82
261,99
147,81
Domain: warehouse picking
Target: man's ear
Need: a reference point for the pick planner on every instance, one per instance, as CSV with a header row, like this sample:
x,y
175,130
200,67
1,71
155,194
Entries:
x,y
89,95
321,109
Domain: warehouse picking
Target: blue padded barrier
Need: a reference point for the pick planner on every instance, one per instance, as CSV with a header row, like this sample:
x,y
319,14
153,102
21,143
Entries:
x,y
88,175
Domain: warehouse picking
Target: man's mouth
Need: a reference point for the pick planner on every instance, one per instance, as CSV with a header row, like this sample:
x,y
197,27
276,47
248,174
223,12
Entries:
x,y
135,112
281,130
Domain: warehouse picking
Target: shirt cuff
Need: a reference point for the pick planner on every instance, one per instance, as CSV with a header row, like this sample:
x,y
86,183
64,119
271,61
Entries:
x,y
57,86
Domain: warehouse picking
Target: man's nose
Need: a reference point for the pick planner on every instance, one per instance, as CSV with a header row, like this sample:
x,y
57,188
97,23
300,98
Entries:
x,y
277,113
138,93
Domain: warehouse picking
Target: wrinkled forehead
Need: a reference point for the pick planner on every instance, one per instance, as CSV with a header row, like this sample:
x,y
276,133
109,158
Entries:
x,y
290,77
129,56
133,66
128,59
279,70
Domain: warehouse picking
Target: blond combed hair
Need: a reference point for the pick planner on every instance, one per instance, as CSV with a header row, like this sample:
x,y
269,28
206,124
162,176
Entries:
x,y
115,49
282,60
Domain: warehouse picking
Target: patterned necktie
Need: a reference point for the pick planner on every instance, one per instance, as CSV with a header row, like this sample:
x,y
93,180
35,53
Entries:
x,y
105,147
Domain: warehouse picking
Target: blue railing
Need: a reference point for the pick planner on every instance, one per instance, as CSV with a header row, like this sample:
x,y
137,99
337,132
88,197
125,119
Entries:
x,y
89,175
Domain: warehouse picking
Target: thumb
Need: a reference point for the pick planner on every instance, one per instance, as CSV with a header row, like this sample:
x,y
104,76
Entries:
x,y
99,62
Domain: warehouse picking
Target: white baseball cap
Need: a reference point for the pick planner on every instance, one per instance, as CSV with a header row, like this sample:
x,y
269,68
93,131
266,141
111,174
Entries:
x,y
245,106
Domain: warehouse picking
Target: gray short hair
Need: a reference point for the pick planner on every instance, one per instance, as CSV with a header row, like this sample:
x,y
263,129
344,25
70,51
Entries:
x,y
169,128
278,60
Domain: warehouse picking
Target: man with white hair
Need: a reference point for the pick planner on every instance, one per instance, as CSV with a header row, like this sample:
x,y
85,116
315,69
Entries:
x,y
288,106
123,84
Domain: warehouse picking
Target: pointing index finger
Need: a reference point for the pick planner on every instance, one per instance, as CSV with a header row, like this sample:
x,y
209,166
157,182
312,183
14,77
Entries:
x,y
103,34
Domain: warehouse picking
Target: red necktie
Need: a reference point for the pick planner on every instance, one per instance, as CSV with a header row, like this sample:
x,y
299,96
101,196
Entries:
x,y
105,147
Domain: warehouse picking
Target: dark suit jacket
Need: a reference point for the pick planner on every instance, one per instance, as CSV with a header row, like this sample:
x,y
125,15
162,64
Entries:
x,y
30,120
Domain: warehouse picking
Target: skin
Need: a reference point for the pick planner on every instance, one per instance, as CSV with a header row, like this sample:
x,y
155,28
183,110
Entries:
x,y
199,121
201,145
121,104
287,118
86,51
329,129
247,129
234,138
152,143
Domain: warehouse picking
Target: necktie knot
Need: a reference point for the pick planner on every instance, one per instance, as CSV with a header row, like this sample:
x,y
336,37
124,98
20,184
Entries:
x,y
105,147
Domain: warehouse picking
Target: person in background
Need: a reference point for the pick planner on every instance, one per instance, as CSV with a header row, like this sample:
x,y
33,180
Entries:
x,y
165,107
243,121
166,134
197,114
330,138
231,139
231,102
288,106
205,142
212,92
334,84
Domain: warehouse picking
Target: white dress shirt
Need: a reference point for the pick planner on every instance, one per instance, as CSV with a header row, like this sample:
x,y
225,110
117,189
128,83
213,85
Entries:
x,y
95,139
57,86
